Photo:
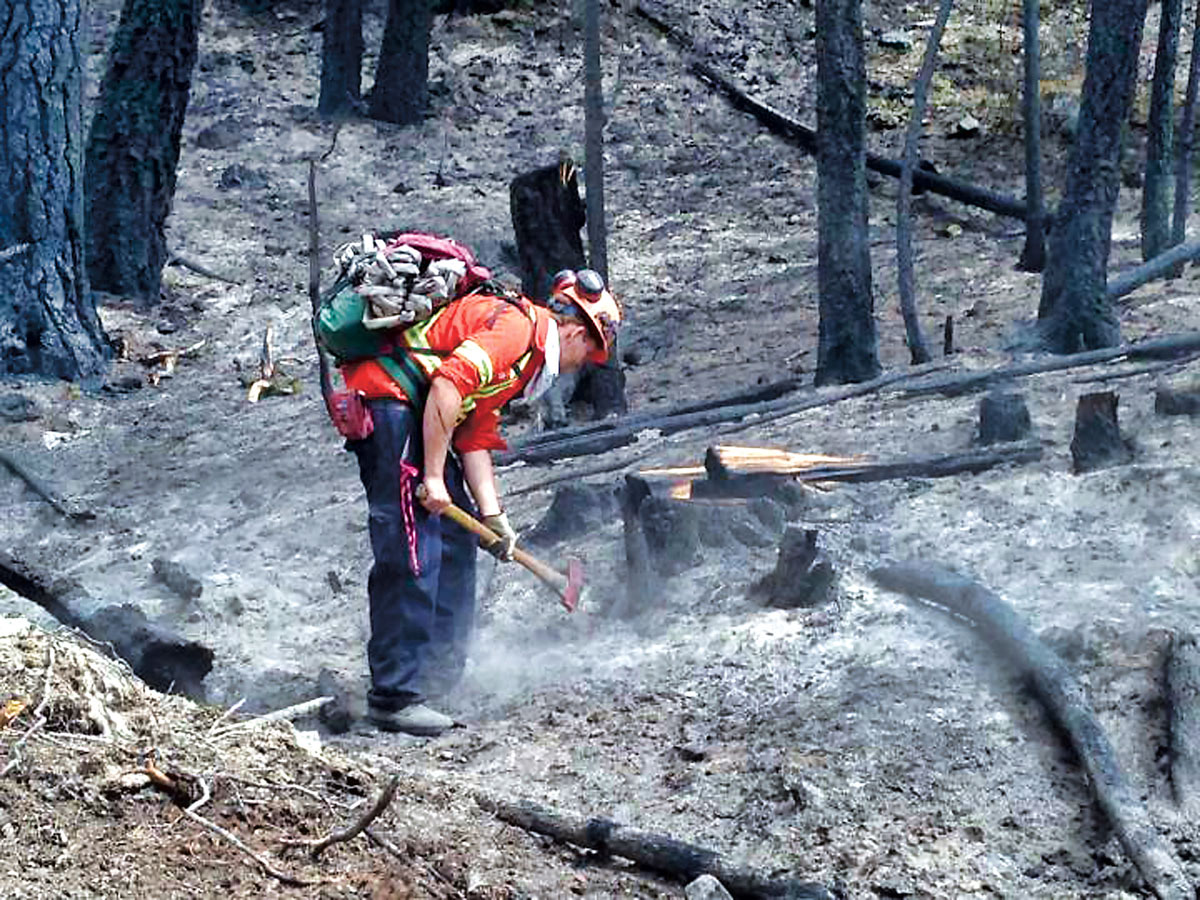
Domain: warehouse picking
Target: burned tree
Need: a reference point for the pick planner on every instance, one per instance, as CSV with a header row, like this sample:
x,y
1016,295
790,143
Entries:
x,y
48,323
847,342
1160,136
1075,313
133,146
341,58
401,92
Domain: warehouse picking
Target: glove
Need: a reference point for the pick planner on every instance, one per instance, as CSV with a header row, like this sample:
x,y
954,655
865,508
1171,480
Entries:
x,y
503,548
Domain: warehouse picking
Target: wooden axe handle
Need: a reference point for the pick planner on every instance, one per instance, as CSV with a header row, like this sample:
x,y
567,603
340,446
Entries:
x,y
555,579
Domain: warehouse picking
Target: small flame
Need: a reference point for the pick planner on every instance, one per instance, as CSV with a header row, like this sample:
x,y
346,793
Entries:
x,y
681,490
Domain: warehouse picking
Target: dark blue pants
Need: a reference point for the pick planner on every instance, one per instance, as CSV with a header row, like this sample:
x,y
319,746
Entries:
x,y
420,624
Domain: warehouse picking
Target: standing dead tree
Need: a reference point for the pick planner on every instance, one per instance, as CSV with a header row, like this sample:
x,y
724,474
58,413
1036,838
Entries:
x,y
1160,135
1033,256
1183,159
912,138
1074,313
1067,704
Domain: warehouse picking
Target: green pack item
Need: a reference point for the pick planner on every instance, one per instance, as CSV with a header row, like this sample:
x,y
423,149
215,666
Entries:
x,y
341,329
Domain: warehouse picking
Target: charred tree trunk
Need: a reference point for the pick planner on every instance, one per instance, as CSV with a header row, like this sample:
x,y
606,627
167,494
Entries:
x,y
341,58
1183,160
1074,313
1160,135
133,147
401,92
604,384
847,349
48,322
1033,256
904,251
642,582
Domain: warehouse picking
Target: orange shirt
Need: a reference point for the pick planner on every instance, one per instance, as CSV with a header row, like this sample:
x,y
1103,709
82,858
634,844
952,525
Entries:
x,y
487,346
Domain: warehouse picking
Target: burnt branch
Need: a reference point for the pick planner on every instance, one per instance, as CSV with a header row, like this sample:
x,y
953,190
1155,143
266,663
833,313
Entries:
x,y
1064,700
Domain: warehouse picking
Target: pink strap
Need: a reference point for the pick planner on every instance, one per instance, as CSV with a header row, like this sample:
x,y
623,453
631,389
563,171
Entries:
x,y
409,474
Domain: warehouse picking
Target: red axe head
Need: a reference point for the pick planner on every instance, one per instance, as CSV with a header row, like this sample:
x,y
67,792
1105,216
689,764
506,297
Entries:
x,y
573,589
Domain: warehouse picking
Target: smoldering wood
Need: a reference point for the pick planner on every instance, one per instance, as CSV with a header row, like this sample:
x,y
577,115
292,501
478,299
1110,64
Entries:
x,y
1003,417
1064,700
966,382
659,852
162,659
1182,682
800,577
948,337
672,531
806,137
1097,441
1170,401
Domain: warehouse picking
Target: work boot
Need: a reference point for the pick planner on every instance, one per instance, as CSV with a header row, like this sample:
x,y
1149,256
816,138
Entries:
x,y
417,719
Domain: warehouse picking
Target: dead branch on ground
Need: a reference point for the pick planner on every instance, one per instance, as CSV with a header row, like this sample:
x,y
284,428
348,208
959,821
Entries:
x,y
185,263
967,382
654,851
35,484
1066,703
166,782
39,717
340,835
806,137
289,713
1158,267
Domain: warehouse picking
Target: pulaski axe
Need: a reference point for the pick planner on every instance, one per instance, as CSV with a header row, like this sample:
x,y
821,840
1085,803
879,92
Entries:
x,y
569,587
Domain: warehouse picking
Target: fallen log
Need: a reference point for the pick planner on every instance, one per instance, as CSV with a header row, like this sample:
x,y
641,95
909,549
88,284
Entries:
x,y
1183,723
757,394
1158,267
967,382
1066,703
625,431
8,461
659,852
162,659
806,137
976,460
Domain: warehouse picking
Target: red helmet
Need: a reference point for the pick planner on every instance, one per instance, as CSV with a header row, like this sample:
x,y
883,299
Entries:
x,y
582,294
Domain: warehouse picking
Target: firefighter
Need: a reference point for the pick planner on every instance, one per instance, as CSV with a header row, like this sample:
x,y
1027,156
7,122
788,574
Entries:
x,y
435,402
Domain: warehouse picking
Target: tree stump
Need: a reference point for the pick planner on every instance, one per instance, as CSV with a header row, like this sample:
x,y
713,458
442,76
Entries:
x,y
547,215
1003,418
577,510
800,577
672,529
642,582
1183,718
1169,401
1097,442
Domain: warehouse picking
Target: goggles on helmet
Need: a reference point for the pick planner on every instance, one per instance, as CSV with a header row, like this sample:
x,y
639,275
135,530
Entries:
x,y
582,295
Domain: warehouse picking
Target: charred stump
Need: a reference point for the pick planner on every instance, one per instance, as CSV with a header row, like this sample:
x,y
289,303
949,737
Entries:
x,y
1169,401
800,577
1097,442
547,216
1003,418
642,581
1183,722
